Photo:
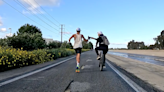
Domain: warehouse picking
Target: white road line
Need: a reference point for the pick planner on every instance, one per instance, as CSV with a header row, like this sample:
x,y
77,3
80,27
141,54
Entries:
x,y
88,60
34,72
136,87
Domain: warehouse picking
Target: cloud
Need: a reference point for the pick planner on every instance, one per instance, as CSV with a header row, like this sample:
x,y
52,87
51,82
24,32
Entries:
x,y
1,21
34,5
4,35
1,2
3,29
9,34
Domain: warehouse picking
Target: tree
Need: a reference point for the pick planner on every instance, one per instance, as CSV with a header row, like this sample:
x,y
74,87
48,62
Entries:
x,y
159,40
27,41
65,44
54,44
3,42
135,45
28,37
87,45
162,32
27,28
151,47
90,45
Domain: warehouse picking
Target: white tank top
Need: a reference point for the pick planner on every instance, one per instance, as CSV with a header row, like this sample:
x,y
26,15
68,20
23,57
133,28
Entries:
x,y
78,41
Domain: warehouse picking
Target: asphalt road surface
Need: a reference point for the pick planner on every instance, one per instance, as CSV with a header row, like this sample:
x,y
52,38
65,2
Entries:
x,y
63,77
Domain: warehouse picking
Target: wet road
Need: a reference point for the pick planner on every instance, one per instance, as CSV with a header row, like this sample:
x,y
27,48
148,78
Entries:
x,y
144,58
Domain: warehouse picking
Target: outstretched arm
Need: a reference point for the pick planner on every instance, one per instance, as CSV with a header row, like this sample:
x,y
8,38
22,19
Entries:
x,y
71,37
84,38
93,38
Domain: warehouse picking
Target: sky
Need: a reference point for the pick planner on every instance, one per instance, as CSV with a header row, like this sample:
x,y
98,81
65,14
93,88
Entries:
x,y
120,20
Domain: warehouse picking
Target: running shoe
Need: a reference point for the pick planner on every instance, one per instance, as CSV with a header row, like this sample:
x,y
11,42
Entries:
x,y
77,69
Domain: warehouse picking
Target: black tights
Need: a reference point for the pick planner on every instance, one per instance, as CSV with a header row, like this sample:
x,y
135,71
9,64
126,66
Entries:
x,y
104,48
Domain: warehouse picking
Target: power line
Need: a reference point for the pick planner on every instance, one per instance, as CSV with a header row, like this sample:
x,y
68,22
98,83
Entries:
x,y
46,12
34,14
25,15
43,14
65,32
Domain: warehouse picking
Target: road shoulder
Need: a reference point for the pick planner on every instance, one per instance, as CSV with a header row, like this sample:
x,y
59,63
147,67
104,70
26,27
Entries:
x,y
140,72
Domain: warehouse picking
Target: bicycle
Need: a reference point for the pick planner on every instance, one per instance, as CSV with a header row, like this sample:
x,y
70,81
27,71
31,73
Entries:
x,y
102,60
102,57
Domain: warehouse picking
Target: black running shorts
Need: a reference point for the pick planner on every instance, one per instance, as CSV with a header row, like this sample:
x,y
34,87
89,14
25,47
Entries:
x,y
78,50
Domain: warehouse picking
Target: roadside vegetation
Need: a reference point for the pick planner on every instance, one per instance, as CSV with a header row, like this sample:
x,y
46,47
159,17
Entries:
x,y
28,47
159,43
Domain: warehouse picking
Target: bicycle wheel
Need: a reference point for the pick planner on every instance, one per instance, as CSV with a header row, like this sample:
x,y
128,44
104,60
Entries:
x,y
102,61
101,67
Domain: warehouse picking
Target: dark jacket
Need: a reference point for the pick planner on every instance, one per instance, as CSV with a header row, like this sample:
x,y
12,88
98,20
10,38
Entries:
x,y
99,40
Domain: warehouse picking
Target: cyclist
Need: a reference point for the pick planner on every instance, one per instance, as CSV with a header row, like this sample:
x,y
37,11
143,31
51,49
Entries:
x,y
77,46
103,45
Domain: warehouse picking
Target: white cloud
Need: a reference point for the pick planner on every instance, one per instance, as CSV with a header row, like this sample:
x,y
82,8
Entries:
x,y
1,2
34,5
1,21
4,35
3,29
9,34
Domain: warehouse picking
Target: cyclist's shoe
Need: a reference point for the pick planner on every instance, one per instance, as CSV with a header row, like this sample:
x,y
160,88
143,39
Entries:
x,y
98,57
104,66
77,69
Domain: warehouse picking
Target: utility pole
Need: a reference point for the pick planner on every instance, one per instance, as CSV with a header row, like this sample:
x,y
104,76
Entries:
x,y
61,32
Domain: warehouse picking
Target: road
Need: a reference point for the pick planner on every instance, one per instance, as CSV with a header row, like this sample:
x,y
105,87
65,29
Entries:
x,y
58,78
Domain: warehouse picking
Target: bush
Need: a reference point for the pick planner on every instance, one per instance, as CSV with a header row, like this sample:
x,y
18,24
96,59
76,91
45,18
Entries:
x,y
87,45
65,44
54,44
3,42
14,58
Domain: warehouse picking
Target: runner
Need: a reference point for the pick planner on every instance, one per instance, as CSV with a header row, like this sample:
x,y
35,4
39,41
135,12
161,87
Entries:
x,y
78,46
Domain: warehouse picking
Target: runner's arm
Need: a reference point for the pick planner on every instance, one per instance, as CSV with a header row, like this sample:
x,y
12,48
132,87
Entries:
x,y
71,37
84,38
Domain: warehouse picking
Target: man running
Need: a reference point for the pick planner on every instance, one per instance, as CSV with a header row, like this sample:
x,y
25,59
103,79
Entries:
x,y
77,46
